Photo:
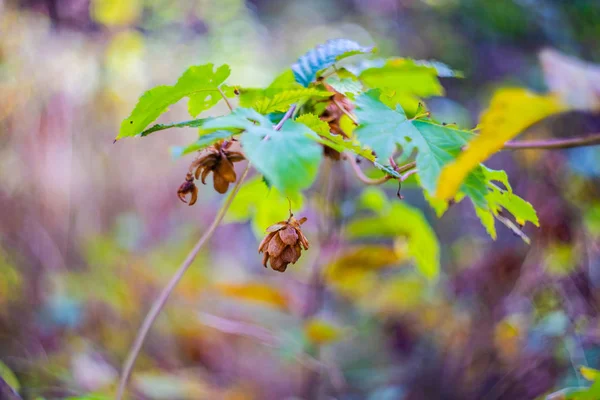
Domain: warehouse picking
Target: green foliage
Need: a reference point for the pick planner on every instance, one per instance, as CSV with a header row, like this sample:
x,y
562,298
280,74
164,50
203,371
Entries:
x,y
199,83
288,158
282,100
336,142
203,142
262,205
383,129
397,219
324,56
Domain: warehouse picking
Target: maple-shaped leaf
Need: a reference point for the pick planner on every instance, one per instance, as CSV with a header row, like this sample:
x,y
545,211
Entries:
x,y
384,129
201,83
511,111
324,56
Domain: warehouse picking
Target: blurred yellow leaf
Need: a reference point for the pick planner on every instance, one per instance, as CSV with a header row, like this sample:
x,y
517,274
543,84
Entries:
x,y
321,332
116,12
9,376
588,373
561,259
507,337
398,295
511,111
255,292
354,272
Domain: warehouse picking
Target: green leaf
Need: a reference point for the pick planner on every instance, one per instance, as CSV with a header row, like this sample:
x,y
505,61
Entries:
x,y
262,205
203,141
336,142
283,82
522,210
324,56
282,100
194,123
200,83
240,119
399,219
404,76
289,158
382,129
349,87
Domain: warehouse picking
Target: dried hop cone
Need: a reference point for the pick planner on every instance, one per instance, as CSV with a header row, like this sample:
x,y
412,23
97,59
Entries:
x,y
283,243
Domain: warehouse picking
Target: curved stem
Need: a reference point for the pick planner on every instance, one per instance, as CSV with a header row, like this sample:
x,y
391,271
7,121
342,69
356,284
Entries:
x,y
226,99
161,300
376,181
554,144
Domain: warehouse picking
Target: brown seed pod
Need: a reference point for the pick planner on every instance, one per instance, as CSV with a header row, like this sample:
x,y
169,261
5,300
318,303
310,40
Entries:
x,y
337,106
218,159
283,244
188,187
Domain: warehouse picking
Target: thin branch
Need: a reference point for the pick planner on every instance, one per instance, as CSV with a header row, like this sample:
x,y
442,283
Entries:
x,y
346,112
225,98
376,181
160,302
409,173
554,144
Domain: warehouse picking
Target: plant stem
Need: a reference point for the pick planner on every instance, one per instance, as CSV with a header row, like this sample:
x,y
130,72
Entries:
x,y
161,300
346,112
377,181
225,98
554,144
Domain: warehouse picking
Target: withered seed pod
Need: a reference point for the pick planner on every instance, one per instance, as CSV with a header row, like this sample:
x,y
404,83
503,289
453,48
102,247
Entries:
x,y
219,160
337,106
283,244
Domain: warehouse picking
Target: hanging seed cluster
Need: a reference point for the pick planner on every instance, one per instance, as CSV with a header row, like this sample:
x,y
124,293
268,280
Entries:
x,y
218,159
337,106
283,244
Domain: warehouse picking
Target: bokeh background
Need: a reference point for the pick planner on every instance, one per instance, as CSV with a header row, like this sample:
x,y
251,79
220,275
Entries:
x,y
90,231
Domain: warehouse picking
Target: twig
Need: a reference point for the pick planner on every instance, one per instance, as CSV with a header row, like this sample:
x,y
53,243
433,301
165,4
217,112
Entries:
x,y
160,302
377,181
225,98
346,112
554,144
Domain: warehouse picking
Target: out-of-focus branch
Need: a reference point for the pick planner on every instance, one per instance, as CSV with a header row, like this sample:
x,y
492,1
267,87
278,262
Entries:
x,y
161,300
554,144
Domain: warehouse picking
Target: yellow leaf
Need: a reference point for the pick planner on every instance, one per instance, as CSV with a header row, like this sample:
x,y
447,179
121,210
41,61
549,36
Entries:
x,y
354,272
321,332
588,373
511,111
255,292
116,12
